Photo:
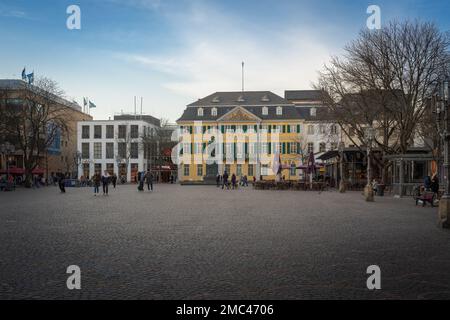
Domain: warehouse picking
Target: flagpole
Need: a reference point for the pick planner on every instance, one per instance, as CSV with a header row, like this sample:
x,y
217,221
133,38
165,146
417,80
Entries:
x,y
242,76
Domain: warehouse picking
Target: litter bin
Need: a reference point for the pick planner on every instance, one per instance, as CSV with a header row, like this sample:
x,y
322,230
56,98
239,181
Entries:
x,y
380,190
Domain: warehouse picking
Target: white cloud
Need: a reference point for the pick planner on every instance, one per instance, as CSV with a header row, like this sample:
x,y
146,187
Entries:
x,y
215,44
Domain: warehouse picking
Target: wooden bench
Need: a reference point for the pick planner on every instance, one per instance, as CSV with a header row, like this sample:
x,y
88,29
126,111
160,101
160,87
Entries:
x,y
425,197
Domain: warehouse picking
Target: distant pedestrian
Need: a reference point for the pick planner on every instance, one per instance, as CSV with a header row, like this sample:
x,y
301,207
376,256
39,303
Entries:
x,y
105,182
149,180
114,180
427,183
218,180
435,184
61,184
96,179
225,180
245,182
233,181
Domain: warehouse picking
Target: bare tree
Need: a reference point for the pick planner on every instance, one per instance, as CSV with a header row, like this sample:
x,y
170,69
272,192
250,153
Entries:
x,y
384,81
32,119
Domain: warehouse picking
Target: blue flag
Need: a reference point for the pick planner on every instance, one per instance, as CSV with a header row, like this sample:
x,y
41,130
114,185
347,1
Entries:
x,y
91,105
30,78
85,102
24,75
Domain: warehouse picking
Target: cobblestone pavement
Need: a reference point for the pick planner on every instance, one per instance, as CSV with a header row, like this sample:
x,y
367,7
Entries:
x,y
200,242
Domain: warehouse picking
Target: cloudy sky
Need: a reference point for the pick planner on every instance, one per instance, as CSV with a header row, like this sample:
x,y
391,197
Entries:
x,y
173,52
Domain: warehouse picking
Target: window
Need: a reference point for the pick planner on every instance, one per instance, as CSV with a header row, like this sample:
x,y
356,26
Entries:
x,y
279,111
240,150
239,170
109,132
322,129
229,150
310,129
264,148
313,112
228,168
186,148
310,147
265,111
85,150
293,148
293,128
109,150
97,132
200,170
122,150
200,112
97,150
333,129
85,132
198,148
134,150
186,170
250,170
134,131
322,147
264,170
214,112
122,131
252,148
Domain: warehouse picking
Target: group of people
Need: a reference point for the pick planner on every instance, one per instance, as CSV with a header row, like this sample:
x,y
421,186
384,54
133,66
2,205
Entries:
x,y
103,179
145,178
223,180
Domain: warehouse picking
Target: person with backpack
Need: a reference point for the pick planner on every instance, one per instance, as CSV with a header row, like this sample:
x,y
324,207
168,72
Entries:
x,y
96,179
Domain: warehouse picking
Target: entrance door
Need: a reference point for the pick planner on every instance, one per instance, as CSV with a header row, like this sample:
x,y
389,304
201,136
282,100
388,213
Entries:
x,y
212,169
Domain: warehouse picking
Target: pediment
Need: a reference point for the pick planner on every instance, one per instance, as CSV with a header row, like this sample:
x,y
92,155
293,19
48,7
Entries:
x,y
239,114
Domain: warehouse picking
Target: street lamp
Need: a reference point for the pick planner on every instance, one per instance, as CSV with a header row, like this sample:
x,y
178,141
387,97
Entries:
x,y
341,167
443,124
369,135
77,160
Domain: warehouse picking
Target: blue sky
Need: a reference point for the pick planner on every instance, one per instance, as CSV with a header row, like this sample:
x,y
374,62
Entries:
x,y
174,52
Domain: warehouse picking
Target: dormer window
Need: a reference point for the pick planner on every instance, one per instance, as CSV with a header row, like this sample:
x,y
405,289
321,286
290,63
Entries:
x,y
265,98
240,98
200,112
279,111
216,99
313,112
265,111
214,112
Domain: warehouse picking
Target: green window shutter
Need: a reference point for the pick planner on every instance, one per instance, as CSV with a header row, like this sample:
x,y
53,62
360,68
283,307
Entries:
x,y
204,146
181,150
222,128
190,129
298,147
234,151
256,128
204,129
244,128
192,148
298,128
233,127
284,128
246,148
269,148
270,128
288,145
284,147
289,128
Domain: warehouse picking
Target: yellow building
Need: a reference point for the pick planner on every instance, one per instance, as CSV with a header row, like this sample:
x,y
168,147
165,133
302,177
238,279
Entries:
x,y
241,133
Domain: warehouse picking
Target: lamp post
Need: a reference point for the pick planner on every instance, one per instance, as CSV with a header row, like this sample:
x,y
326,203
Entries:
x,y
77,160
341,167
443,123
368,192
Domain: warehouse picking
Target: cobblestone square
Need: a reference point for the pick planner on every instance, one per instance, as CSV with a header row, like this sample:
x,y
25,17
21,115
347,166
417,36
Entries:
x,y
199,242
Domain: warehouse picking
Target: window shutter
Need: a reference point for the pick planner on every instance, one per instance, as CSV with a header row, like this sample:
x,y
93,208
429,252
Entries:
x,y
222,128
284,147
181,150
190,129
269,148
284,129
245,128
298,148
298,128
288,148
256,128
289,128
270,128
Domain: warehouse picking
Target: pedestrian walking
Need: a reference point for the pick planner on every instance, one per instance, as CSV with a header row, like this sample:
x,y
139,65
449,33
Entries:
x,y
61,184
233,181
225,180
96,179
149,180
218,180
435,184
105,182
114,180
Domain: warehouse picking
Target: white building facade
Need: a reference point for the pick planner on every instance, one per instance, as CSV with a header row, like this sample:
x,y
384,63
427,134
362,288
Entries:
x,y
113,145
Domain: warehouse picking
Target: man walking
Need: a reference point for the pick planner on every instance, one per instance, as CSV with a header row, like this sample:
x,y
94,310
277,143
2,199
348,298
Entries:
x,y
149,180
105,182
225,180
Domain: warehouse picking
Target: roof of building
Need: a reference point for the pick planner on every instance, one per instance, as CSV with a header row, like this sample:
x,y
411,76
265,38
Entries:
x,y
15,84
241,98
144,117
303,95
